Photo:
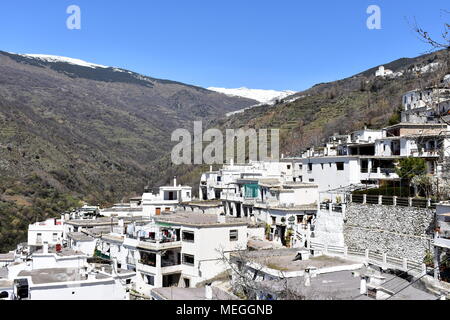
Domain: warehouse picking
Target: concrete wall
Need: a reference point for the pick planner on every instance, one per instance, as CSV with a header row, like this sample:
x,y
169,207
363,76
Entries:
x,y
105,290
329,228
399,231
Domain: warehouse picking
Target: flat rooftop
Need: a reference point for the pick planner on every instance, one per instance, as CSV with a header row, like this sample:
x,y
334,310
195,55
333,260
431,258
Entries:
x,y
79,236
283,260
203,203
112,237
7,257
127,209
176,293
56,275
198,219
102,221
65,252
342,285
6,284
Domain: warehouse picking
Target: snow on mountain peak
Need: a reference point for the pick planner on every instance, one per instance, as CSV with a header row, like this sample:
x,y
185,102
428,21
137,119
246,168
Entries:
x,y
52,58
260,95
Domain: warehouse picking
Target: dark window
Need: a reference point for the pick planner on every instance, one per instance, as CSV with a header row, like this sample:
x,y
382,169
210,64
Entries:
x,y
150,280
188,236
128,281
311,180
219,178
310,166
188,259
340,166
289,166
233,235
148,258
274,220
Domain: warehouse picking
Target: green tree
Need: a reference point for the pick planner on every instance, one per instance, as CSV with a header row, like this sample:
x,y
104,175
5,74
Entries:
x,y
408,168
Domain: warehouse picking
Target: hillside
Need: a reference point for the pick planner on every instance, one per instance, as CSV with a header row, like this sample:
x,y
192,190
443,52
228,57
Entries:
x,y
73,131
307,118
87,131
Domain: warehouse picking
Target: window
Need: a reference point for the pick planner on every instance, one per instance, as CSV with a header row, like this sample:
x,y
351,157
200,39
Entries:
x,y
188,194
274,220
311,180
55,237
188,259
148,258
233,235
219,178
187,282
321,165
188,236
309,166
167,209
288,166
39,237
340,166
149,279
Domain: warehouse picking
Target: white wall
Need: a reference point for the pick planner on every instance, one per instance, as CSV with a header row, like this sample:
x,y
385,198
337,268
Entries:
x,y
105,290
328,177
51,260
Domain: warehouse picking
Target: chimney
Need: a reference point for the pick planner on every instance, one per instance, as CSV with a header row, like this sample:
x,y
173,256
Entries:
x,y
175,181
363,287
208,292
307,279
45,248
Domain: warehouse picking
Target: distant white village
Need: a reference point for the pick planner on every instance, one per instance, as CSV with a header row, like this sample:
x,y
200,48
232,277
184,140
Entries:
x,y
293,229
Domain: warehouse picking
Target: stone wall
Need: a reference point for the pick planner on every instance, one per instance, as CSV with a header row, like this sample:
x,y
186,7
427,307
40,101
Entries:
x,y
403,232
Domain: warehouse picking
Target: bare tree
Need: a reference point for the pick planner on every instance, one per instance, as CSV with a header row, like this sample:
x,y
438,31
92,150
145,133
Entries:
x,y
248,276
440,93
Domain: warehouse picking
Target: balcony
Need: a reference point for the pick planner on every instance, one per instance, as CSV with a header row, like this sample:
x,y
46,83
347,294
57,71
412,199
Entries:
x,y
158,245
425,153
228,196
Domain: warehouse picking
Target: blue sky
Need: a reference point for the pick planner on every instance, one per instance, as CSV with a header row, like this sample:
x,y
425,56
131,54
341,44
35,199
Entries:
x,y
284,44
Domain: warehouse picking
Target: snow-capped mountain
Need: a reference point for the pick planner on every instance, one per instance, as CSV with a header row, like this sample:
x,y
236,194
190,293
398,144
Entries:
x,y
260,95
52,58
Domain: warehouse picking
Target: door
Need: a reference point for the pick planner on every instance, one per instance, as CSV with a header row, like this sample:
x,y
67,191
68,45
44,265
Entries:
x,y
158,211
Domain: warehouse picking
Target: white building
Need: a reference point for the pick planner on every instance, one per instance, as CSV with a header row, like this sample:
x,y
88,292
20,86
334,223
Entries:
x,y
72,284
50,231
166,200
382,72
213,183
82,242
179,249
